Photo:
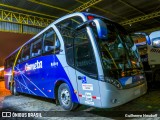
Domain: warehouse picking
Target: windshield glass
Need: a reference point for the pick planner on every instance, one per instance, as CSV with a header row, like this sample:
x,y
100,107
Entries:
x,y
142,50
119,54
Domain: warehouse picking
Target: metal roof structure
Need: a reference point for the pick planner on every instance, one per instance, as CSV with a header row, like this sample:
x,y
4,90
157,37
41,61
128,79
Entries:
x,y
133,15
140,15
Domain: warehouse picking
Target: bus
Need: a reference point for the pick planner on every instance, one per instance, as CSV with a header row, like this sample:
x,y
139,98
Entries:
x,y
154,55
150,54
81,58
143,51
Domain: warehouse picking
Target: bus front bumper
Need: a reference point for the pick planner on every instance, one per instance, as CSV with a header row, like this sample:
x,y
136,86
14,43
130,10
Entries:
x,y
113,97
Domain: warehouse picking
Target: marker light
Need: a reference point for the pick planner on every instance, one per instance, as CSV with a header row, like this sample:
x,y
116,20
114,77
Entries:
x,y
90,17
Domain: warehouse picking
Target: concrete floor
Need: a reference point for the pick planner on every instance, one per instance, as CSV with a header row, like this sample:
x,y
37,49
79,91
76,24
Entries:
x,y
149,103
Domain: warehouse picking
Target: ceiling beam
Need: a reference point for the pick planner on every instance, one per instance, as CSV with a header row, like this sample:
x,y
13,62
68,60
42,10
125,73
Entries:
x,y
86,5
80,8
131,6
141,18
48,5
151,30
23,19
105,11
28,11
65,10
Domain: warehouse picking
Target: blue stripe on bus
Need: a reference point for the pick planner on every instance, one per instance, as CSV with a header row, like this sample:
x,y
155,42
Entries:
x,y
39,75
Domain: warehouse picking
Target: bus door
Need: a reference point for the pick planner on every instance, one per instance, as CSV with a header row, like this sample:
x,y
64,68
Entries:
x,y
86,70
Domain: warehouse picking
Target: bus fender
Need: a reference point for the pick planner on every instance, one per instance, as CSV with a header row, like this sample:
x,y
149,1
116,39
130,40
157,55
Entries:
x,y
59,82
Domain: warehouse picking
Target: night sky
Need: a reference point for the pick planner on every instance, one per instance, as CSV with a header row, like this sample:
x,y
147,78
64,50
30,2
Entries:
x,y
10,42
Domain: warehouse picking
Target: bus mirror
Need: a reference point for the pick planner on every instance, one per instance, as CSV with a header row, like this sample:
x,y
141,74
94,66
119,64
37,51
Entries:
x,y
148,41
101,27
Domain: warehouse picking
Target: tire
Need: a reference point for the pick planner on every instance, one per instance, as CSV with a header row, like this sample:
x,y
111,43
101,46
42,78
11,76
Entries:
x,y
13,90
64,97
10,86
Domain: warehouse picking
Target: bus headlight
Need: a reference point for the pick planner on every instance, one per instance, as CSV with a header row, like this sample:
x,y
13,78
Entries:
x,y
114,82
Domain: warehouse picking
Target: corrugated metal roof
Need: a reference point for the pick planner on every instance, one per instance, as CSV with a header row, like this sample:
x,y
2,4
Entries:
x,y
116,10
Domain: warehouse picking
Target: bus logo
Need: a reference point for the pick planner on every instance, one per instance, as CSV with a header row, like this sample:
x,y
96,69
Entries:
x,y
34,66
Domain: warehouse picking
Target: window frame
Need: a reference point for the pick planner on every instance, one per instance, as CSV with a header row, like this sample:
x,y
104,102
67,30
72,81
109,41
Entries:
x,y
54,50
60,28
40,37
88,74
22,52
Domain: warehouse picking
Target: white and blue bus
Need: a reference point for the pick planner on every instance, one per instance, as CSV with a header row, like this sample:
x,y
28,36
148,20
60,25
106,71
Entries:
x,y
150,55
80,58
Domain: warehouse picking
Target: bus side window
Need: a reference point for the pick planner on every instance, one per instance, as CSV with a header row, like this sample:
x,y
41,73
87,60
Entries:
x,y
36,49
10,61
84,55
67,29
26,52
7,63
51,42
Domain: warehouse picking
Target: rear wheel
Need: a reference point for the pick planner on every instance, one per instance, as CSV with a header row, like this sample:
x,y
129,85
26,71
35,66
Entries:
x,y
13,89
64,97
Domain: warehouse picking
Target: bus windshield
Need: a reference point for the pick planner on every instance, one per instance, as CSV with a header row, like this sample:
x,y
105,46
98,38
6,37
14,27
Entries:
x,y
118,53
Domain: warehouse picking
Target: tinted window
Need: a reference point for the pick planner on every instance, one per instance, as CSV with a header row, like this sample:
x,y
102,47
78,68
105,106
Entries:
x,y
67,30
84,55
7,63
26,52
51,42
36,47
10,61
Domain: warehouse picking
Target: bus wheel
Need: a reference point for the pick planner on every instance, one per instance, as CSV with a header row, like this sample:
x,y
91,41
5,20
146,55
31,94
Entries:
x,y
64,97
10,87
13,90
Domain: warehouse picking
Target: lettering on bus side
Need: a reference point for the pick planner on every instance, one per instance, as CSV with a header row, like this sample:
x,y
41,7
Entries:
x,y
54,64
34,66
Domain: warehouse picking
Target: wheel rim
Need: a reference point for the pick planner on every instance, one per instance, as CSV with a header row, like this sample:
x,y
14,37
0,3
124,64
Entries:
x,y
65,97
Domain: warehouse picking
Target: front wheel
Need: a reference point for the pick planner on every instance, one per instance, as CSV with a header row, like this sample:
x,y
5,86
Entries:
x,y
64,97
